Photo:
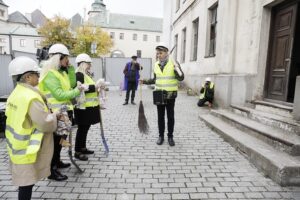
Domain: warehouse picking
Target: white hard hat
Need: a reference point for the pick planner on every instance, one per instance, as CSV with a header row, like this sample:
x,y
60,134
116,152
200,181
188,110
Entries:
x,y
22,64
83,58
59,48
208,79
162,46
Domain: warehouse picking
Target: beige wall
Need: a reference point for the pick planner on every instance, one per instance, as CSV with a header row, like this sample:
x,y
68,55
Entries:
x,y
242,44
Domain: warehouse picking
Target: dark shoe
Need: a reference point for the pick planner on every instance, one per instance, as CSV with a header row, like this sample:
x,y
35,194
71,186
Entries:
x,y
80,156
171,142
126,103
57,176
160,141
86,151
63,165
133,103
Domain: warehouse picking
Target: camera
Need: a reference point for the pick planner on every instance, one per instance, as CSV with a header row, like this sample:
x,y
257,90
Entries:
x,y
42,54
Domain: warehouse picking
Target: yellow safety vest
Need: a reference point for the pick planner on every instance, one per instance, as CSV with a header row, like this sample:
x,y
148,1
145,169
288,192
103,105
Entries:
x,y
165,80
211,85
23,144
91,99
53,103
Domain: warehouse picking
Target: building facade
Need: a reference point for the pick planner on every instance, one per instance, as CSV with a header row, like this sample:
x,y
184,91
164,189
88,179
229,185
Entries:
x,y
17,33
132,35
248,47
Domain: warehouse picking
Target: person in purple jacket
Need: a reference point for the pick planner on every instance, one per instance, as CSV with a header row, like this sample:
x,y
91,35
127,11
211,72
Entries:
x,y
132,75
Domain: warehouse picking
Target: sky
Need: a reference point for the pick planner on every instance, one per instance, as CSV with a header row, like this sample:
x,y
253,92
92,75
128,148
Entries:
x,y
68,8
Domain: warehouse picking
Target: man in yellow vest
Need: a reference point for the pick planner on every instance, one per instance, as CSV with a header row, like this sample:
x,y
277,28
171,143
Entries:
x,y
29,128
167,73
88,113
207,93
58,84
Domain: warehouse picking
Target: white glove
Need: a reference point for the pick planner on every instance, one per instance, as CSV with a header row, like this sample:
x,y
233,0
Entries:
x,y
100,82
79,87
178,70
85,87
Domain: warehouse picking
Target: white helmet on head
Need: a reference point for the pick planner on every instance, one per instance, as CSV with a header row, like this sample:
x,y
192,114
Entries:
x,y
22,64
58,48
162,46
208,79
83,57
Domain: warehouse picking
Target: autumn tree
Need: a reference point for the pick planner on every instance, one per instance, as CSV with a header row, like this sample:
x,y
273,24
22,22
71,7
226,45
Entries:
x,y
57,30
87,35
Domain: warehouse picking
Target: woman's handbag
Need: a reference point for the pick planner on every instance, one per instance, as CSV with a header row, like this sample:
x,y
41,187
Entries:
x,y
159,97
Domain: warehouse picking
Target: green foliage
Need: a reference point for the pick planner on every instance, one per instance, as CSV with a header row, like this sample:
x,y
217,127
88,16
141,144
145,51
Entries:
x,y
57,30
86,35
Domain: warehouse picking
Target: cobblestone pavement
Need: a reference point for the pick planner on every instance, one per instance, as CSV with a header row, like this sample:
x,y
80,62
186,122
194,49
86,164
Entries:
x,y
200,166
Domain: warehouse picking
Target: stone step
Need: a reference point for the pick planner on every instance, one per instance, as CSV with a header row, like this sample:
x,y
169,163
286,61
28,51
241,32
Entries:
x,y
274,108
285,123
279,139
279,166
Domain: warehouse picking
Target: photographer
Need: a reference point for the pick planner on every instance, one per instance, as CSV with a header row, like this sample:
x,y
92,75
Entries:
x,y
207,93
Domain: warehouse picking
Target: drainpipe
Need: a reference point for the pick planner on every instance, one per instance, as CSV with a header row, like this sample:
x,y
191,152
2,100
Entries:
x,y
10,42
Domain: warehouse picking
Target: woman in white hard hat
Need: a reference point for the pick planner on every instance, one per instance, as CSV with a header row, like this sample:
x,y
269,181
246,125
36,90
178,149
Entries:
x,y
56,83
88,114
207,93
29,128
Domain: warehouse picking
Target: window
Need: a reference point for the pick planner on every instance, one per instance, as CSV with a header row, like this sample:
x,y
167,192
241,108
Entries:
x,y
112,35
22,43
121,36
183,49
177,5
139,53
195,39
212,31
134,36
2,40
37,43
145,37
157,38
176,46
2,13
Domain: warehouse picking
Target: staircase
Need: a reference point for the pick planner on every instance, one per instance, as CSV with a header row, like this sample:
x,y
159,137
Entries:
x,y
266,134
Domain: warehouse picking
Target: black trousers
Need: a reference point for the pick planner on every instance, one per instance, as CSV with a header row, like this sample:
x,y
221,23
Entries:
x,y
57,147
130,87
25,192
170,115
81,136
201,102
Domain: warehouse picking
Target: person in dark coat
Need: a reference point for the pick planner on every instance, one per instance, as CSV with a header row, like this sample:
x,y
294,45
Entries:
x,y
207,93
88,113
132,75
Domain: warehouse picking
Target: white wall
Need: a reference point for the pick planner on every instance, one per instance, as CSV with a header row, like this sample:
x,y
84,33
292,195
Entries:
x,y
129,46
242,45
29,43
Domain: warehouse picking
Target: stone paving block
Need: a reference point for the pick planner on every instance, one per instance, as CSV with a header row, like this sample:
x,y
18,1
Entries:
x,y
88,196
235,195
215,195
51,195
198,196
254,195
143,197
69,196
180,196
272,195
161,196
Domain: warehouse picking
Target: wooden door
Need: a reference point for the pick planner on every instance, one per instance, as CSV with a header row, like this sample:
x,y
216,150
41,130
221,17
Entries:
x,y
281,44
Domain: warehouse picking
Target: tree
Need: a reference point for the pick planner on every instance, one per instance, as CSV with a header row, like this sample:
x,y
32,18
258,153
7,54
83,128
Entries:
x,y
57,30
86,36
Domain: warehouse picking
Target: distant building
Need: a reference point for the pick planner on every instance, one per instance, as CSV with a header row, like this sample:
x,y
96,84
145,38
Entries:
x,y
132,35
76,21
17,33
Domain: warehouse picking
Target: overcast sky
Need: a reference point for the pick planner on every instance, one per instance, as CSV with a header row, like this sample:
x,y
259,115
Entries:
x,y
68,8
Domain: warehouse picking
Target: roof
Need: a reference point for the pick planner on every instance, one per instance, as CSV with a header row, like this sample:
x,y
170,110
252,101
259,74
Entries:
x,y
1,3
76,21
131,22
18,17
38,18
19,30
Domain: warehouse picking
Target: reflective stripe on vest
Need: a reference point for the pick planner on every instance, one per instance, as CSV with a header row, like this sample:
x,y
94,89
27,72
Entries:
x,y
165,80
211,85
91,99
22,143
53,103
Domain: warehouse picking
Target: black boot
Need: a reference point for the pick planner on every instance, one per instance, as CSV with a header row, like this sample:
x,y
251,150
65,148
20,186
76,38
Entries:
x,y
160,140
126,103
80,156
56,175
63,165
86,151
171,141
